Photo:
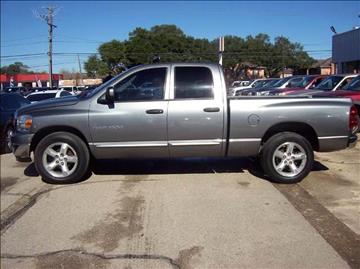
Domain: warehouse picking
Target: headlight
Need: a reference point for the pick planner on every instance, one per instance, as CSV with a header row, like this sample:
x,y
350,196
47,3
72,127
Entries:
x,y
282,93
23,123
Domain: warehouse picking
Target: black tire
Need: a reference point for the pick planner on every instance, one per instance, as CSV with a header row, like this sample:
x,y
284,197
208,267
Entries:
x,y
77,144
268,163
23,160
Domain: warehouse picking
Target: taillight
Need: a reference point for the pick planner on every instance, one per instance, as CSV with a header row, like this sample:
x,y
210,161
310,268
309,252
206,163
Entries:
x,y
353,119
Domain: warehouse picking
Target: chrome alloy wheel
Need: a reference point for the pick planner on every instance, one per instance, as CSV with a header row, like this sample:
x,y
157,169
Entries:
x,y
9,134
289,159
60,160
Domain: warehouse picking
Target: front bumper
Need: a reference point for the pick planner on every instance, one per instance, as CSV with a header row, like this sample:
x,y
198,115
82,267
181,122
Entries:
x,y
352,140
21,145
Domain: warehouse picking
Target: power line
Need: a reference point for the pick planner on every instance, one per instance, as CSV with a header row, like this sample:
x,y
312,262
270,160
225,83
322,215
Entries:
x,y
19,39
36,66
48,18
22,55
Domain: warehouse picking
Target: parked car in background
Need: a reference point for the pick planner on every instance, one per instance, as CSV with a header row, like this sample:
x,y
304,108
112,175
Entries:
x,y
9,103
240,83
44,95
19,90
281,84
331,83
72,89
351,90
308,82
191,118
254,84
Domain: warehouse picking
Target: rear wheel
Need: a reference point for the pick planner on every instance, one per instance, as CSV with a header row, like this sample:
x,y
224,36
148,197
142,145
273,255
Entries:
x,y
287,157
62,158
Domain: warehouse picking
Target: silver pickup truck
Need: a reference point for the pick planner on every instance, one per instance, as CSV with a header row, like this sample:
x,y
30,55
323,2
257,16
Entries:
x,y
179,110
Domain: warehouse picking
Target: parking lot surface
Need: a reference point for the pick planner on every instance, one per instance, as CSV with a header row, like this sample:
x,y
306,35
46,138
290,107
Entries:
x,y
182,214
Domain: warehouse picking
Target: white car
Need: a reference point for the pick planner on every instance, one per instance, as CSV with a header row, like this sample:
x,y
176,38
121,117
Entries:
x,y
251,84
44,95
240,83
72,89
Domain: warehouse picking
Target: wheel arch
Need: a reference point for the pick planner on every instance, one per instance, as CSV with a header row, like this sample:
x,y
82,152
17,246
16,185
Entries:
x,y
300,128
39,135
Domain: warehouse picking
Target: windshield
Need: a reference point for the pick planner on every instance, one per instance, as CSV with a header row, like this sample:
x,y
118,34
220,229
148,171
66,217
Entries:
x,y
270,83
258,83
329,83
354,85
281,82
40,97
302,83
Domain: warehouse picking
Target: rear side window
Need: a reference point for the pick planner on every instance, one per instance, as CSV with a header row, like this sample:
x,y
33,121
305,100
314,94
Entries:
x,y
65,93
193,83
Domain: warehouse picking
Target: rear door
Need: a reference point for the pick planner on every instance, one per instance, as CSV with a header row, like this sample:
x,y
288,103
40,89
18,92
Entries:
x,y
196,112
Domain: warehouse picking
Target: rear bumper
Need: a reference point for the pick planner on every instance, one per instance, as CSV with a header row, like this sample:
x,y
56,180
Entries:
x,y
21,145
334,143
352,140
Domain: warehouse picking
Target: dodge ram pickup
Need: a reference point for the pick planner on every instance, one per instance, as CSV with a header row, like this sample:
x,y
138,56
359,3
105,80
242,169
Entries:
x,y
179,110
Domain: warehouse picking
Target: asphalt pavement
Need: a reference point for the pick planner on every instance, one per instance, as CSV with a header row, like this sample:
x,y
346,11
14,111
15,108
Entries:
x,y
182,214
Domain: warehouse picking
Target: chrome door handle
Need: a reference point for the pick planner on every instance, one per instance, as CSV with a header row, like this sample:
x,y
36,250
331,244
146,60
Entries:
x,y
211,109
154,111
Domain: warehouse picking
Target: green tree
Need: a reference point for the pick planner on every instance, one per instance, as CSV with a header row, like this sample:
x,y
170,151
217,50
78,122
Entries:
x,y
114,55
95,67
15,68
171,44
289,55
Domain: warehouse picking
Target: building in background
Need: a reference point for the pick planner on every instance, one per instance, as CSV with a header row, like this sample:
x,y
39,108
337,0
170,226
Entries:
x,y
346,51
29,80
322,67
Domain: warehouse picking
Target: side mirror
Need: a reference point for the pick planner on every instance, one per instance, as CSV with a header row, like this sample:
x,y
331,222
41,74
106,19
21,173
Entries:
x,y
110,95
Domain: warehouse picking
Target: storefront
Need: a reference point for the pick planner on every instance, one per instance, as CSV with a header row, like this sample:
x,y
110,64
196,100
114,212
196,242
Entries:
x,y
346,51
29,80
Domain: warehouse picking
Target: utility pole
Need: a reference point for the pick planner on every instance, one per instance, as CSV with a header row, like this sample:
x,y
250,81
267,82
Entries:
x,y
82,82
49,18
221,49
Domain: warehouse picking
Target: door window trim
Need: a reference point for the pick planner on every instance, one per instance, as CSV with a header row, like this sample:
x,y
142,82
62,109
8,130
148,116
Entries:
x,y
166,85
173,88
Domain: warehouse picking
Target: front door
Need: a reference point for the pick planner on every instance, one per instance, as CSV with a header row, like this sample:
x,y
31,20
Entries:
x,y
196,112
135,125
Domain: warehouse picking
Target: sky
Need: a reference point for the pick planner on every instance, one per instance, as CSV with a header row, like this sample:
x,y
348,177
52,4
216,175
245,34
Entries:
x,y
83,25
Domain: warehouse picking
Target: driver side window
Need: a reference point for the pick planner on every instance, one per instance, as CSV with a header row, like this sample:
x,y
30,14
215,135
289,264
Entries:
x,y
144,85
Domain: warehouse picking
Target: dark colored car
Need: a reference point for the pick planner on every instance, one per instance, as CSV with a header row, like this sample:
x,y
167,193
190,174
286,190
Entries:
x,y
308,82
9,103
281,84
351,90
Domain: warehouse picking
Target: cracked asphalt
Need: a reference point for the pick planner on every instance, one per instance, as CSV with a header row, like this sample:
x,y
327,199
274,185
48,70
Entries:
x,y
182,214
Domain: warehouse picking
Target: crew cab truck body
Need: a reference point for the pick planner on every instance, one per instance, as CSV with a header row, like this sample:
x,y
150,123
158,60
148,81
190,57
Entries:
x,y
179,110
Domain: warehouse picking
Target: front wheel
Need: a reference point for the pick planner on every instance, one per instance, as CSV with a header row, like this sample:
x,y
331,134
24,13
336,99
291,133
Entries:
x,y
287,157
61,158
8,134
